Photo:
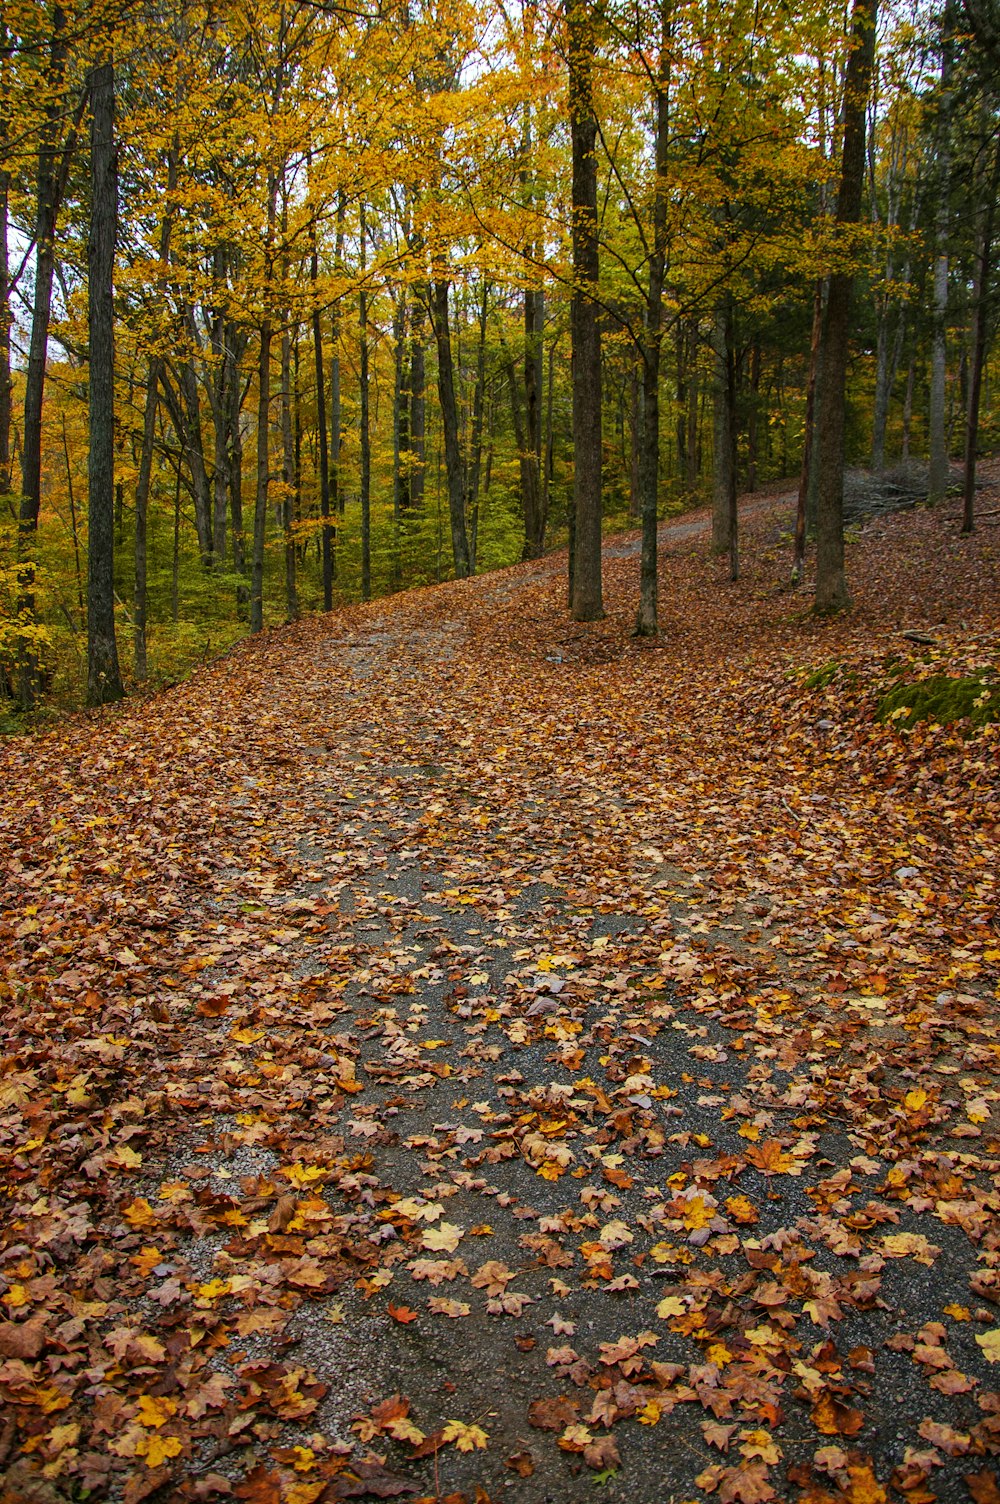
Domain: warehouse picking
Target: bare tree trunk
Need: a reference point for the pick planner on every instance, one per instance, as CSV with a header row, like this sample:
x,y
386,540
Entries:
x,y
980,333
366,442
104,680
937,432
831,584
47,198
454,468
337,497
324,453
649,448
808,438
418,405
476,444
587,601
263,478
724,480
288,474
263,426
6,318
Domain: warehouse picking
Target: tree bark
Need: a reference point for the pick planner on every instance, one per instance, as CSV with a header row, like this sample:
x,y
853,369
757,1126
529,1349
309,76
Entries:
x,y
587,600
831,583
980,334
6,318
47,196
454,468
263,477
808,438
418,405
104,680
725,538
324,453
936,417
647,624
288,474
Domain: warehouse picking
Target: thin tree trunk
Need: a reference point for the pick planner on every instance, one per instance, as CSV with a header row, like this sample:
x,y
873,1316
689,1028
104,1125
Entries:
x,y
418,405
649,448
104,680
46,209
904,453
587,601
236,394
73,523
263,477
980,332
724,479
142,489
937,433
831,584
366,441
337,496
324,453
809,434
454,468
288,474
175,576
6,318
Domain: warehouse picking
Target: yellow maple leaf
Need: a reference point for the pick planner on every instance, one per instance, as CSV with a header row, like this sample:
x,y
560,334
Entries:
x,y
155,1410
157,1449
670,1305
914,1100
990,1344
466,1438
444,1238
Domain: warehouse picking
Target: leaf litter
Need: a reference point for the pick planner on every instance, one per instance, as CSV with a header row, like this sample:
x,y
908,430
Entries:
x,y
454,1053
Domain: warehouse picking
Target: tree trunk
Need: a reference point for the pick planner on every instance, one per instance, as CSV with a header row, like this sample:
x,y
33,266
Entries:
x,y
724,480
366,439
47,196
324,453
418,405
141,513
831,584
937,433
6,319
649,448
587,601
288,474
454,468
104,680
808,438
263,477
980,334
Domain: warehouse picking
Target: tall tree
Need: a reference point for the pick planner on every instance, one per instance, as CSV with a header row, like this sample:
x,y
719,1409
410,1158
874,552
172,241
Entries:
x,y
831,583
581,34
104,681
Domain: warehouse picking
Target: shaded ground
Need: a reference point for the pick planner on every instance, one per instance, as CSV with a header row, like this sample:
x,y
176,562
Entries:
x,y
456,1052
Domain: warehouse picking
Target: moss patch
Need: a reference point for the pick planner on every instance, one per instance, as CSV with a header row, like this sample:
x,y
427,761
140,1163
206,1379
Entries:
x,y
941,698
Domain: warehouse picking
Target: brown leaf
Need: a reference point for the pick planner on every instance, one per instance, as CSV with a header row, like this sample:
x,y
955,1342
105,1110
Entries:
x,y
833,1418
552,1414
522,1463
22,1339
984,1487
369,1480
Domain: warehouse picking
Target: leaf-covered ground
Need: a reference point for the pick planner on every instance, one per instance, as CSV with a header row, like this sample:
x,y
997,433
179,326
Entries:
x,y
452,1052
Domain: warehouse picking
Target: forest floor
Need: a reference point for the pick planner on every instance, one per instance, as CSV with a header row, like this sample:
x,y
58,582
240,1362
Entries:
x,y
452,1052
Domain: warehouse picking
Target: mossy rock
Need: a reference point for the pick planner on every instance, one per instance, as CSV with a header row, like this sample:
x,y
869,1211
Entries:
x,y
941,698
821,678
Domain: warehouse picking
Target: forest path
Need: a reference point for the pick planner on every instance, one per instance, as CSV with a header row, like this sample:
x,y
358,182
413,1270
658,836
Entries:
x,y
447,1013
